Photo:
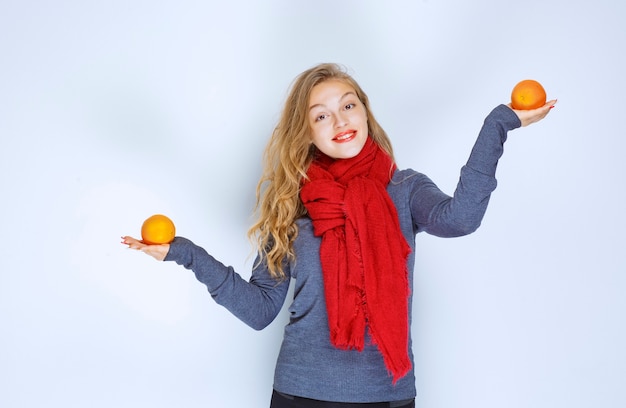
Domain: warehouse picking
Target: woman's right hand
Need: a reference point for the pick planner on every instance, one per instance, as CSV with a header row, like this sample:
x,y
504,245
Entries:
x,y
158,252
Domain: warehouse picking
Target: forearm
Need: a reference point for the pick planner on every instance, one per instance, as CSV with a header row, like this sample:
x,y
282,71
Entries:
x,y
256,303
462,214
489,145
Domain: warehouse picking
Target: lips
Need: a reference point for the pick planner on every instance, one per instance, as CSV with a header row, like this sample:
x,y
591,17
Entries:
x,y
344,137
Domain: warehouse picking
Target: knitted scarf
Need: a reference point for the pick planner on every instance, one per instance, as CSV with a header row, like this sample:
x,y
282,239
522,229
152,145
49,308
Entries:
x,y
363,253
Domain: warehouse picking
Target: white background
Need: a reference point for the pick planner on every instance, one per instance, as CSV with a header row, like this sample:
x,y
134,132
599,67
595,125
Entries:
x,y
113,111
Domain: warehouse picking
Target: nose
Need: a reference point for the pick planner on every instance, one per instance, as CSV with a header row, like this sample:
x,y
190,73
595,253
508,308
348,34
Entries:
x,y
340,120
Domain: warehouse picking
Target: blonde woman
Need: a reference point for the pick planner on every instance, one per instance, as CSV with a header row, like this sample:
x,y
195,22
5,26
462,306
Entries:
x,y
336,215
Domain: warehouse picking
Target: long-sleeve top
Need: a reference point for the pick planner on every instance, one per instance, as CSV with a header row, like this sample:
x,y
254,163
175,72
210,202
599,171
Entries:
x,y
308,365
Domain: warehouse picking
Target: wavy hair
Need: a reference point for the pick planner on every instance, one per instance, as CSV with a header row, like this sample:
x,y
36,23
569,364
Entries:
x,y
285,162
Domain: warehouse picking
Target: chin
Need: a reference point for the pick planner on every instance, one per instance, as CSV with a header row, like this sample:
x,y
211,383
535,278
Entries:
x,y
350,154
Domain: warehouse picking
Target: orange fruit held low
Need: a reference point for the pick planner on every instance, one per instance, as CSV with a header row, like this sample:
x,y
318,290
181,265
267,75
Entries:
x,y
528,94
158,229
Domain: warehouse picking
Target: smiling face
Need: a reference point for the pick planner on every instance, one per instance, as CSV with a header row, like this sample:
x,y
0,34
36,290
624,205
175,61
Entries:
x,y
338,119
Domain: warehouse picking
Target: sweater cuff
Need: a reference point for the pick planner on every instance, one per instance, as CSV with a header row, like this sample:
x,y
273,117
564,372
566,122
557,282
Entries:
x,y
179,251
509,119
192,257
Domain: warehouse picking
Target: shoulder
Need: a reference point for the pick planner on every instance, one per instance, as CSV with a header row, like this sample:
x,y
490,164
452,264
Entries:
x,y
404,183
405,178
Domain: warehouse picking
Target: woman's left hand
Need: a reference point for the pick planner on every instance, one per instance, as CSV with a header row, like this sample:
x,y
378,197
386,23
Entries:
x,y
158,252
528,117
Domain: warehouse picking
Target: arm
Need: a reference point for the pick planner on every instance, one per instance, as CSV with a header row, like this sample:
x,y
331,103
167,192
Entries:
x,y
439,214
256,303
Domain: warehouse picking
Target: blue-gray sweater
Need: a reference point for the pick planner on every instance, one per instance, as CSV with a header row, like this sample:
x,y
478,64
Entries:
x,y
308,365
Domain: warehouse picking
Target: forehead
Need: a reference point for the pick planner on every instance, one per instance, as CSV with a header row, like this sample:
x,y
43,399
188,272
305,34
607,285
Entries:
x,y
330,91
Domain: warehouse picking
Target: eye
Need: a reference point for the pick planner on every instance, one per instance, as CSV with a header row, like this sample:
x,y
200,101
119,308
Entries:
x,y
349,106
321,117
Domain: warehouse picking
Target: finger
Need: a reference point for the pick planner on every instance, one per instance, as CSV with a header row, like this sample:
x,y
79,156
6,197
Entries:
x,y
548,105
127,240
132,242
542,111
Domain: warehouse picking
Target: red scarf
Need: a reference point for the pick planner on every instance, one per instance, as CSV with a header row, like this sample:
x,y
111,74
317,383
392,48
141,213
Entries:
x,y
363,253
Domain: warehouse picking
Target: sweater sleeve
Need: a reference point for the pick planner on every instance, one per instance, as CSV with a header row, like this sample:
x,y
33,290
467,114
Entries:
x,y
256,302
439,214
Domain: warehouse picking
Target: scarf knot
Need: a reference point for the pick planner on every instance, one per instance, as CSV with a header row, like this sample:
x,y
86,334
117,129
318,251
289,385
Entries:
x,y
363,253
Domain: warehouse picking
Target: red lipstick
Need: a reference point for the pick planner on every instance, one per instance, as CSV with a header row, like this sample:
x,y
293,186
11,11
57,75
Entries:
x,y
346,136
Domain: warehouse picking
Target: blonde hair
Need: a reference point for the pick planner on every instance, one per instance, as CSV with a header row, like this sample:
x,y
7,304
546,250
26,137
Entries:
x,y
286,160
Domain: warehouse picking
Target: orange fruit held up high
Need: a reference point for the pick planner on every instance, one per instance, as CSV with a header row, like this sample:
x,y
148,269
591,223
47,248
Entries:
x,y
528,94
158,229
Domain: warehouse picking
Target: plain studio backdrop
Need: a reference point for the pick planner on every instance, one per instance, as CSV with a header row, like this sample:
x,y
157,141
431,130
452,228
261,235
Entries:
x,y
113,111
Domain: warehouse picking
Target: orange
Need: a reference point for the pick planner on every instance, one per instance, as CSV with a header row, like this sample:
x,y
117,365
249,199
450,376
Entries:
x,y
528,94
158,229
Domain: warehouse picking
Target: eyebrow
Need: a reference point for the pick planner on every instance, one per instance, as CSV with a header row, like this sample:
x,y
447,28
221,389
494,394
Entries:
x,y
342,97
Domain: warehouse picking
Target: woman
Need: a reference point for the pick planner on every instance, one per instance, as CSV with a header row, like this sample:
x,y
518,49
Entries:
x,y
336,215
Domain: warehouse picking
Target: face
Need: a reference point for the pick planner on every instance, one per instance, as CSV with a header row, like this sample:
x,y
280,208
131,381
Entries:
x,y
337,119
